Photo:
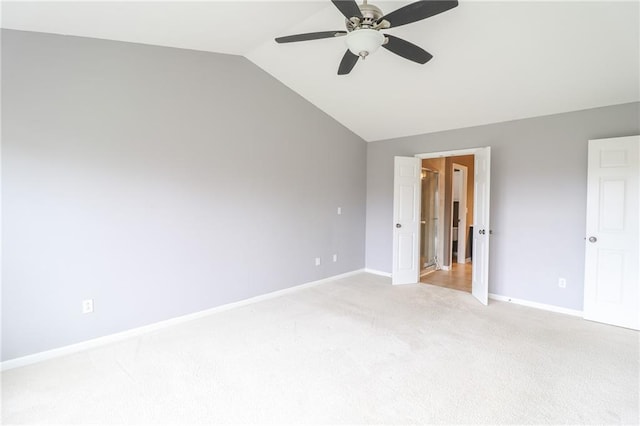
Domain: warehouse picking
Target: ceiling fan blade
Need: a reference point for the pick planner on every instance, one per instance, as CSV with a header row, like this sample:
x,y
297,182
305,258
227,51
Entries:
x,y
407,50
349,8
349,61
310,36
417,11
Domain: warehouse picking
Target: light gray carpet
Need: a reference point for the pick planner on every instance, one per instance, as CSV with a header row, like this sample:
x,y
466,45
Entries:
x,y
356,350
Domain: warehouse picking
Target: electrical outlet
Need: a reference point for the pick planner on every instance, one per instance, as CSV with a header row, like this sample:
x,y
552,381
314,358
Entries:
x,y
317,261
335,257
339,210
562,283
87,306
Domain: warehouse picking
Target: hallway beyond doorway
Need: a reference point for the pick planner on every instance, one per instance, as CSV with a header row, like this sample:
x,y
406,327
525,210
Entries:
x,y
458,278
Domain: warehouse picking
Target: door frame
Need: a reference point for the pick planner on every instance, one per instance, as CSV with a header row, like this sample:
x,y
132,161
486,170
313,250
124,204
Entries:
x,y
454,153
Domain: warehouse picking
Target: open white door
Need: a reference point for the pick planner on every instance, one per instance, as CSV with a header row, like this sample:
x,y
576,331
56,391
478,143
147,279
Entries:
x,y
481,225
612,263
406,220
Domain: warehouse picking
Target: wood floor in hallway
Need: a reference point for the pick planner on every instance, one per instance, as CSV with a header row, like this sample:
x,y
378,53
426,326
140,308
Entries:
x,y
458,278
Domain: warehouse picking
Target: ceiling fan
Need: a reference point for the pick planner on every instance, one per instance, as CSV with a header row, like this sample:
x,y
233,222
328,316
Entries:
x,y
364,25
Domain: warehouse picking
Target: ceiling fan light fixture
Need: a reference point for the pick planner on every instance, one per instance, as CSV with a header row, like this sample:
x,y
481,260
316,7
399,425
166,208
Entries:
x,y
365,41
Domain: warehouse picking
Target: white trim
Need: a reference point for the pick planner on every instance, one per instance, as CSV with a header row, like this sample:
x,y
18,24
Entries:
x,y
536,305
100,341
376,272
455,153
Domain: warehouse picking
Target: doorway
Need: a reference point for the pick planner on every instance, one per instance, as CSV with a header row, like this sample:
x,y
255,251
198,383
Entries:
x,y
447,217
407,200
461,180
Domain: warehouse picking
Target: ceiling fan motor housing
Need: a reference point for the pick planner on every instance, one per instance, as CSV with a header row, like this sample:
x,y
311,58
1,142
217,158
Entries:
x,y
370,15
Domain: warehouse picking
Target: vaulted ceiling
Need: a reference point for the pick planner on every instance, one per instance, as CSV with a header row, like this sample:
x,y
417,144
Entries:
x,y
493,61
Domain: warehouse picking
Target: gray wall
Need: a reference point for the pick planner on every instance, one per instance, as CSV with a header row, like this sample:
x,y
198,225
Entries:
x,y
160,182
538,197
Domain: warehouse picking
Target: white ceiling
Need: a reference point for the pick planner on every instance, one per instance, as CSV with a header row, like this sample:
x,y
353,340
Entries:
x,y
493,61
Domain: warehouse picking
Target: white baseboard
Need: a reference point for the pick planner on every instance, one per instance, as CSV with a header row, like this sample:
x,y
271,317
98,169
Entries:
x,y
536,305
376,272
100,341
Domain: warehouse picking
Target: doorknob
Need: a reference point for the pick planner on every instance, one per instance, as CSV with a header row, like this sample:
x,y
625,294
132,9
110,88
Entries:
x,y
592,239
398,225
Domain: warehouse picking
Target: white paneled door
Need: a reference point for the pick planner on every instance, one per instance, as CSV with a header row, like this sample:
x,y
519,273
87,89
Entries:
x,y
406,220
612,252
481,225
